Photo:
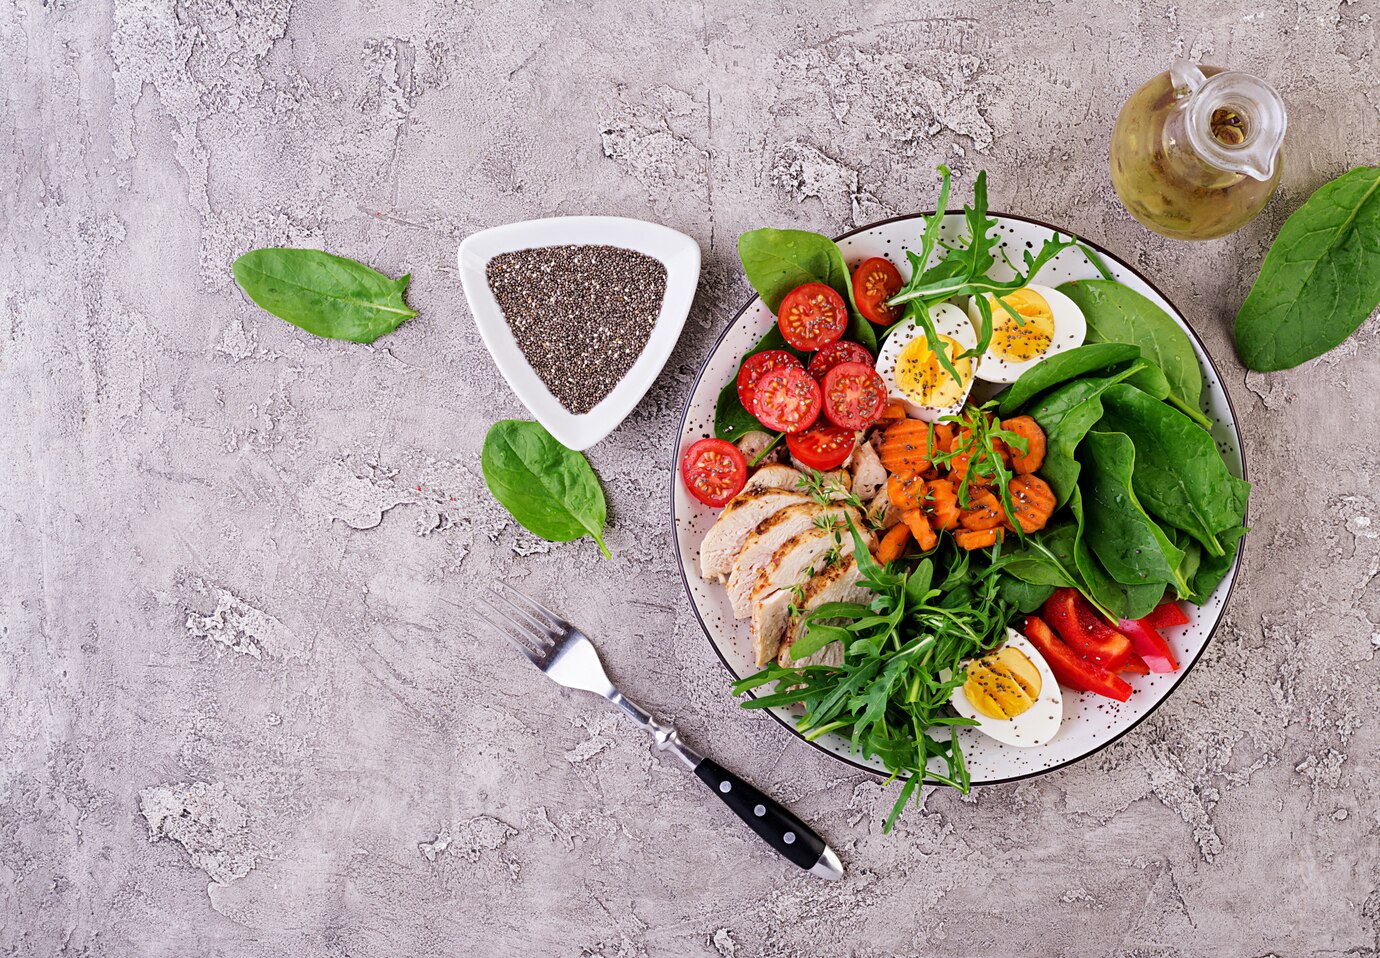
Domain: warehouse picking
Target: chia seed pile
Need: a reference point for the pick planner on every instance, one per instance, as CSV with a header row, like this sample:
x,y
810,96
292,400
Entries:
x,y
580,314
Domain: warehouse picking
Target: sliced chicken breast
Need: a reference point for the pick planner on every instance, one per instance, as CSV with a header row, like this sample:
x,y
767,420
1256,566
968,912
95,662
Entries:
x,y
880,510
766,493
869,474
799,558
774,629
770,534
839,583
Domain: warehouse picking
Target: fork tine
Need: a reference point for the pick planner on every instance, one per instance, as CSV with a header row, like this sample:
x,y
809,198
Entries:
x,y
525,645
545,634
552,619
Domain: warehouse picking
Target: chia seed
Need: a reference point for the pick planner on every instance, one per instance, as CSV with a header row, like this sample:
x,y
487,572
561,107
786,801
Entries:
x,y
580,314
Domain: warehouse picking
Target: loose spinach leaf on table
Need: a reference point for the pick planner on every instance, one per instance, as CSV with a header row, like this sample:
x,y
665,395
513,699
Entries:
x,y
550,490
777,261
326,295
1320,279
1128,543
1121,600
1118,314
1179,476
1059,369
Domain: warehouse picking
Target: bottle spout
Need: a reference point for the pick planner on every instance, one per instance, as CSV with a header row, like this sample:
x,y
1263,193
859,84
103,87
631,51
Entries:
x,y
1236,122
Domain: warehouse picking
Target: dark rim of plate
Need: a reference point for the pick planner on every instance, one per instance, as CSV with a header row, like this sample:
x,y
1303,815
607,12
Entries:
x,y
1235,569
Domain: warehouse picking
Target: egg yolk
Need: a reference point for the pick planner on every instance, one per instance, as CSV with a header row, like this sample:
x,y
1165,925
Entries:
x,y
1026,338
1003,685
924,380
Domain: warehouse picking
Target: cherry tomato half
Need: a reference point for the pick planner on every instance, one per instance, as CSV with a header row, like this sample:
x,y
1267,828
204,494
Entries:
x,y
874,282
854,395
842,351
714,471
787,400
812,316
758,365
822,446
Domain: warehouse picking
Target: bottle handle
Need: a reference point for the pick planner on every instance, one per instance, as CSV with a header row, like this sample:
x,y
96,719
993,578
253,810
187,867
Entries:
x,y
1186,77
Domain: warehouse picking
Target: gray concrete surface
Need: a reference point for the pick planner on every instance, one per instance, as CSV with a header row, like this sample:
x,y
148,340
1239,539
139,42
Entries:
x,y
243,710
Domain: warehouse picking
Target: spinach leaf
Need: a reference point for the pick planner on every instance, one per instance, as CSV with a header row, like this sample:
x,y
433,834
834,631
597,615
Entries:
x,y
1320,279
731,421
1123,601
1060,368
326,295
1066,414
777,261
1118,314
1213,569
1025,596
1124,538
549,489
1179,474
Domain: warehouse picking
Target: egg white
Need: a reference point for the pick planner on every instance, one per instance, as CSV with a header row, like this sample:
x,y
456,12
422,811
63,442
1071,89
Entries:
x,y
1037,724
948,321
1070,329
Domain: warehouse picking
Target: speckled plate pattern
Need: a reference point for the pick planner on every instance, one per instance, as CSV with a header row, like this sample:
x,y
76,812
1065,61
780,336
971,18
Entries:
x,y
1090,722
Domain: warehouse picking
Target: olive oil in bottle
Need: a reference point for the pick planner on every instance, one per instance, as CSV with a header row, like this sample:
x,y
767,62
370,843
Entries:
x,y
1196,152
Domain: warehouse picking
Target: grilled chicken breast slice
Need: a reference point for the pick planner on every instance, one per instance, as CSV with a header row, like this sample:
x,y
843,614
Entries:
x,y
774,629
760,499
766,540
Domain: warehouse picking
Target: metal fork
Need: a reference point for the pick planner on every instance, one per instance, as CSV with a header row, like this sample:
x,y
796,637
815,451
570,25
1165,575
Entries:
x,y
564,653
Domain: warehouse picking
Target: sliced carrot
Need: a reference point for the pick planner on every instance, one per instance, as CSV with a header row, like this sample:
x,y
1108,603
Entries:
x,y
944,434
978,539
1033,501
893,544
894,410
920,528
1029,430
903,448
941,502
906,492
984,513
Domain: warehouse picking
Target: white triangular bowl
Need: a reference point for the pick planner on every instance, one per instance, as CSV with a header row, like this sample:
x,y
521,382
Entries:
x,y
679,253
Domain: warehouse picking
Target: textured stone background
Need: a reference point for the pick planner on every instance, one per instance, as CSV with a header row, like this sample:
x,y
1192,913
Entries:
x,y
243,708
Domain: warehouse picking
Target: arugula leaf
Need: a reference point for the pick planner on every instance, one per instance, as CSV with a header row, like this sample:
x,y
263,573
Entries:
x,y
550,490
1320,279
326,295
777,261
1118,314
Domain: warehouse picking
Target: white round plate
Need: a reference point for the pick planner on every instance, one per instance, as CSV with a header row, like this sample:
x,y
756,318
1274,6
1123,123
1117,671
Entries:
x,y
1091,722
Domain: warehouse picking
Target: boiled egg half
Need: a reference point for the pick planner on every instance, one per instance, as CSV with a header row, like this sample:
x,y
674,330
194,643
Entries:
x,y
1012,694
1046,322
914,373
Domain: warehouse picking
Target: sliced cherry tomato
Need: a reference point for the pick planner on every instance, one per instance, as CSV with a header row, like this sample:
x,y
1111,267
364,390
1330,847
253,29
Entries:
x,y
787,400
758,365
1085,632
1070,668
812,316
714,471
854,395
1150,645
842,351
822,446
1165,616
874,282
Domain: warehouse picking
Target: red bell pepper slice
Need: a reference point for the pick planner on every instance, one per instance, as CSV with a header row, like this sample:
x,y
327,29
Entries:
x,y
1150,645
1084,630
1135,665
1070,668
1166,616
